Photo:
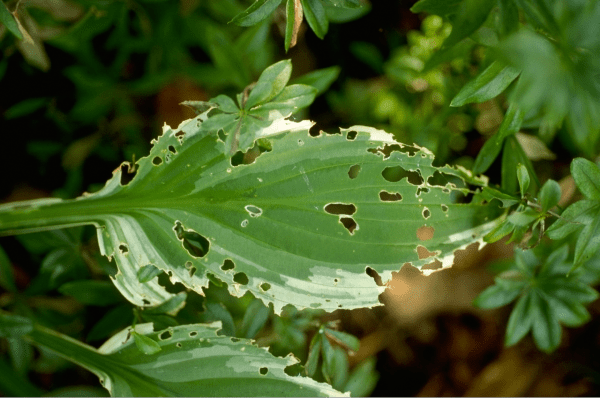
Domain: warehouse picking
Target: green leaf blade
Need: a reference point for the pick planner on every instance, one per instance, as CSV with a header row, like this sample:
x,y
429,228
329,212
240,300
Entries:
x,y
270,83
587,177
487,85
257,12
8,20
316,17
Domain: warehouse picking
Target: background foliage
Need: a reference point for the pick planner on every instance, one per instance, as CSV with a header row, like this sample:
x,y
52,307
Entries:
x,y
505,87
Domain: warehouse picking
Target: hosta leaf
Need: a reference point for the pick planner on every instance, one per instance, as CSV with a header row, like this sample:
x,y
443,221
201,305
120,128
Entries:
x,y
302,224
192,361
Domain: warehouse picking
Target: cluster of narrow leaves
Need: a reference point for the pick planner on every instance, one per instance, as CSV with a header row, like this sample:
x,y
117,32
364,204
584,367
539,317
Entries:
x,y
553,57
330,347
546,296
582,216
530,212
318,14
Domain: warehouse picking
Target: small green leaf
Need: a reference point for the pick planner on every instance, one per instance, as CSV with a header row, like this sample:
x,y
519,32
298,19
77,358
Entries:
x,y
549,195
216,311
314,353
507,200
499,232
316,17
145,344
254,319
512,155
587,177
7,279
291,99
320,79
349,341
487,85
471,14
489,152
519,322
8,20
363,379
545,327
225,104
574,218
508,21
258,11
14,325
270,83
328,354
588,242
436,7
339,368
523,177
294,15
497,296
92,292
171,306
147,273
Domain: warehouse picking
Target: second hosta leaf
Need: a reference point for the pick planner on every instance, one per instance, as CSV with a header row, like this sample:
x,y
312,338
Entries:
x,y
300,225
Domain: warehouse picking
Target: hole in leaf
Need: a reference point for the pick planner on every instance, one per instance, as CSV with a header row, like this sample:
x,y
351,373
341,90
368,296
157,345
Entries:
x,y
172,149
128,173
146,302
340,209
253,210
166,335
240,278
421,189
442,179
157,161
351,135
193,334
227,265
222,136
196,244
426,213
397,173
263,371
425,233
349,224
234,339
192,271
434,265
293,370
353,171
180,135
388,149
444,208
265,286
261,146
373,274
424,253
123,248
389,197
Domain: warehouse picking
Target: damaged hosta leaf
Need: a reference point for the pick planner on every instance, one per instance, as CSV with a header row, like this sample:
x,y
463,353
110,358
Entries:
x,y
305,224
189,360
